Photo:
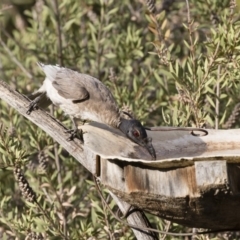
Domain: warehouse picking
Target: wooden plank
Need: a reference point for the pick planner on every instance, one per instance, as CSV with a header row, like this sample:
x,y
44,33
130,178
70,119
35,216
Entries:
x,y
112,174
174,149
211,173
133,179
167,182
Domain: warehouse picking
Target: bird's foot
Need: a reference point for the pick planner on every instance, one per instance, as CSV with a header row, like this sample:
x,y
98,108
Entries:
x,y
32,106
75,133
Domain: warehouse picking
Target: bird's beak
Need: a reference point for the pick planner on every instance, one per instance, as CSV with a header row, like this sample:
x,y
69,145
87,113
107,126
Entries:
x,y
148,145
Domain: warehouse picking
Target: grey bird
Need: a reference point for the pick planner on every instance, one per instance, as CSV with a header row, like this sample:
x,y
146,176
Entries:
x,y
85,98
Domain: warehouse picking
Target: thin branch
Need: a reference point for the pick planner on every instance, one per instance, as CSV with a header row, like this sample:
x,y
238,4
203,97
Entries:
x,y
59,32
190,32
8,223
15,60
188,12
107,225
5,7
54,225
232,8
168,224
8,36
212,59
217,98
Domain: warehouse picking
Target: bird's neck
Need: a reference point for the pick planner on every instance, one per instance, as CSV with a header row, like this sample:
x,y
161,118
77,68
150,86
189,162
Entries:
x,y
124,125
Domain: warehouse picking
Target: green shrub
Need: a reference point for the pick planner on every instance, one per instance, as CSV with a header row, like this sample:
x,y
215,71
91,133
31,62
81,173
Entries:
x,y
169,64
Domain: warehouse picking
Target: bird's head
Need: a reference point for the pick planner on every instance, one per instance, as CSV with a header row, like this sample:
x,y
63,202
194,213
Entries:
x,y
137,133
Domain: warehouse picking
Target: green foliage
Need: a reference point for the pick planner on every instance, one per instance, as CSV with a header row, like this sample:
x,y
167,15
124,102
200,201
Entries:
x,y
170,67
202,66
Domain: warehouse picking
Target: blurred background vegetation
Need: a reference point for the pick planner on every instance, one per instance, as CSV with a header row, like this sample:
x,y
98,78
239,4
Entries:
x,y
170,62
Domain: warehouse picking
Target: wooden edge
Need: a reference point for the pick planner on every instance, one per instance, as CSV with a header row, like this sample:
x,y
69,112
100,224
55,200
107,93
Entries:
x,y
174,149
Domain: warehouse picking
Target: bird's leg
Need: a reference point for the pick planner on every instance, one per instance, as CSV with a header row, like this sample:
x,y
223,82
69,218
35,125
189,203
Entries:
x,y
74,132
34,103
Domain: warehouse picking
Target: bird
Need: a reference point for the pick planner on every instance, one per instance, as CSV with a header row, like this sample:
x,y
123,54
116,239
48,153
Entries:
x,y
86,98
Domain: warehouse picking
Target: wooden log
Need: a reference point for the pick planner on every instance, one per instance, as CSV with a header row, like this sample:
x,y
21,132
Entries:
x,y
206,200
195,180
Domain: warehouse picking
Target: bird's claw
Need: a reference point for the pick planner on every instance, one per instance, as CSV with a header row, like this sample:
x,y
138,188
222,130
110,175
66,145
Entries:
x,y
75,133
32,106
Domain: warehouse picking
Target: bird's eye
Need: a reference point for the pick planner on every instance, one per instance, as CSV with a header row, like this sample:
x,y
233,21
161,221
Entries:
x,y
136,133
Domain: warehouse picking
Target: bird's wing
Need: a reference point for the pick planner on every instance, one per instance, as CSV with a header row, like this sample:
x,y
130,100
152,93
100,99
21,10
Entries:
x,y
69,87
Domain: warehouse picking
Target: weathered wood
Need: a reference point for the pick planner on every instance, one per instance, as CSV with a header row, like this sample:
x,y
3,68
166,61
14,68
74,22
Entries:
x,y
195,181
174,149
132,178
177,195
210,173
135,219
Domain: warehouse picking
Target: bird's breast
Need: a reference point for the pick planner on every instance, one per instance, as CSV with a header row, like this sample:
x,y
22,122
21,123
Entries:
x,y
52,93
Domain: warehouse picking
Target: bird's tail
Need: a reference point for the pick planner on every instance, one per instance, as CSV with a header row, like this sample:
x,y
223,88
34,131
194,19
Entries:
x,y
49,70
